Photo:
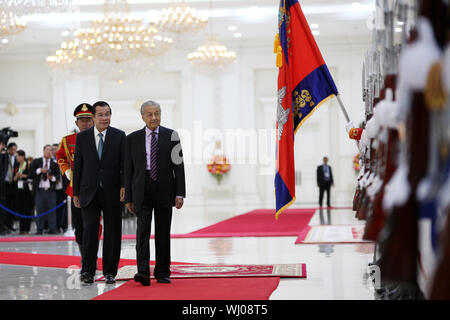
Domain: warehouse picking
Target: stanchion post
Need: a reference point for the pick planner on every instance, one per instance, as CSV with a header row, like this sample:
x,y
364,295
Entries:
x,y
69,232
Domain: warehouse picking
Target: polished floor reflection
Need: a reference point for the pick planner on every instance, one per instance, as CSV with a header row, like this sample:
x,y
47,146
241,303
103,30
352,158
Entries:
x,y
334,271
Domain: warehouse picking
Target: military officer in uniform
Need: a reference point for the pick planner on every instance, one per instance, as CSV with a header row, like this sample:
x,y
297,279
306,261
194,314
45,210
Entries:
x,y
84,120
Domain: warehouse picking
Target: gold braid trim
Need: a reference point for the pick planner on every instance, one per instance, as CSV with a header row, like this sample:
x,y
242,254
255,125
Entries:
x,y
435,95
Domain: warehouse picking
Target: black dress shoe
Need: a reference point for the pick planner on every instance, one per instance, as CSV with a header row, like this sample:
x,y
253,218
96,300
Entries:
x,y
109,279
163,280
86,278
142,278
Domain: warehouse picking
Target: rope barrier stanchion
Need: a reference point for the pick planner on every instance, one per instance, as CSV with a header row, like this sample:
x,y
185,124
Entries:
x,y
70,232
36,216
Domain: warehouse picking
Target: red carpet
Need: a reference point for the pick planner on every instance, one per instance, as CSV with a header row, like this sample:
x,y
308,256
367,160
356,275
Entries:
x,y
55,261
196,289
204,270
259,223
256,223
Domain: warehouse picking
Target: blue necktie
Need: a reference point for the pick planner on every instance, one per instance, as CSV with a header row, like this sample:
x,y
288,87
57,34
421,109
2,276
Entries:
x,y
100,145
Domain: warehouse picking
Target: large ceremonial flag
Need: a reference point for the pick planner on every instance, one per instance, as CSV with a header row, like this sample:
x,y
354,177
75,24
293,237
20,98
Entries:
x,y
304,83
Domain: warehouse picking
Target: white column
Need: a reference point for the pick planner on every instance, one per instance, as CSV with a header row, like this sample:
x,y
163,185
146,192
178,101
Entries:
x,y
68,92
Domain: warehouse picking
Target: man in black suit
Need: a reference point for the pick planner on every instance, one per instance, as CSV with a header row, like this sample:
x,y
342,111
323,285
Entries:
x,y
3,168
154,181
45,174
324,180
10,186
98,186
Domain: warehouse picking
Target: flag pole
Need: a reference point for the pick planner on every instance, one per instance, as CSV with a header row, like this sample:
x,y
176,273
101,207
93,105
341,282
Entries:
x,y
343,108
341,104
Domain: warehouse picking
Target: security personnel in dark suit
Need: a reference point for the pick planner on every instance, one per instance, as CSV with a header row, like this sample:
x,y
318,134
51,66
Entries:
x,y
154,181
98,186
324,180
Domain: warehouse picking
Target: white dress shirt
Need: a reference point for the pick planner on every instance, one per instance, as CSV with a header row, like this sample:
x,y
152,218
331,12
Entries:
x,y
148,144
45,184
10,171
326,172
97,138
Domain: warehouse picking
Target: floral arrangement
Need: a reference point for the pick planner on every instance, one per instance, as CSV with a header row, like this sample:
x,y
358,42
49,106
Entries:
x,y
218,166
356,163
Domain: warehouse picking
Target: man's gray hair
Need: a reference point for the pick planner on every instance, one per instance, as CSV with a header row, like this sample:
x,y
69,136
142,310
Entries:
x,y
149,103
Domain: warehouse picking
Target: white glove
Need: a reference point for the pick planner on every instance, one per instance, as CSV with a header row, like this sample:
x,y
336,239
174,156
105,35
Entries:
x,y
349,126
68,174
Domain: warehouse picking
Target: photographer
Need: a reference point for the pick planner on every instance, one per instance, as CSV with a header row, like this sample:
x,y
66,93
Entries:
x,y
10,186
3,166
23,203
45,175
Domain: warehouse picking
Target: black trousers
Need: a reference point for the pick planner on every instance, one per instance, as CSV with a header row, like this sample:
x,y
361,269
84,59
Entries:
x,y
163,220
112,234
77,223
326,186
23,206
61,213
9,202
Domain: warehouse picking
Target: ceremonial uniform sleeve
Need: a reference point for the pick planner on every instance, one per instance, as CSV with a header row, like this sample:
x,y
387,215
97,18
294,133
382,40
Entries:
x,y
61,156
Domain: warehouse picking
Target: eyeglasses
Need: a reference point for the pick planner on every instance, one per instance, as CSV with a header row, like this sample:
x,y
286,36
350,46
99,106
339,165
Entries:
x,y
151,115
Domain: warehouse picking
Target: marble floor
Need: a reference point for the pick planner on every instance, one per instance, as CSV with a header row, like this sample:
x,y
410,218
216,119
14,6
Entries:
x,y
334,271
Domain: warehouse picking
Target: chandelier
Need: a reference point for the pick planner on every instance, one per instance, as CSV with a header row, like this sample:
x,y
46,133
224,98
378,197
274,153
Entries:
x,y
114,42
212,53
10,23
26,7
179,17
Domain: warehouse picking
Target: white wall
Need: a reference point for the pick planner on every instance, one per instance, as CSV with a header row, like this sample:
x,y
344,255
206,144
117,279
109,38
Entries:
x,y
237,103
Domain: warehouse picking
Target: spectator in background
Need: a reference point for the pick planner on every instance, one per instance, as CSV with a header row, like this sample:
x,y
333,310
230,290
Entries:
x,y
324,180
61,213
23,204
30,185
45,173
3,166
10,186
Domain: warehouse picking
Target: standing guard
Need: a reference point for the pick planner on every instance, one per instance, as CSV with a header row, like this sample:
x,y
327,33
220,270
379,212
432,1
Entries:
x,y
84,120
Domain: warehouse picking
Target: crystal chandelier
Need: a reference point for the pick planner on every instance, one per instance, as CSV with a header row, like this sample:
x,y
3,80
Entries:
x,y
179,17
10,23
111,43
26,7
212,53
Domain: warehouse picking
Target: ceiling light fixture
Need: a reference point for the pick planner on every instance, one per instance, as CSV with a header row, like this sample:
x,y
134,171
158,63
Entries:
x,y
212,53
179,17
115,42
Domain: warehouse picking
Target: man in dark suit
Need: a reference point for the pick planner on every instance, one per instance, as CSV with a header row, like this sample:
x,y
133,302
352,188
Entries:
x,y
3,169
324,180
45,173
10,186
154,181
98,186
